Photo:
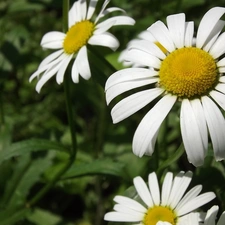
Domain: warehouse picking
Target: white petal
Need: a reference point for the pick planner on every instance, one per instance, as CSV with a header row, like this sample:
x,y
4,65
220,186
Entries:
x,y
129,74
150,124
191,134
103,27
123,209
50,58
219,98
130,203
222,79
101,14
147,35
214,35
196,203
83,9
75,72
180,185
148,47
222,219
221,62
154,188
122,87
222,69
220,87
78,11
142,58
162,35
176,26
189,32
106,39
207,24
83,64
53,40
211,215
218,47
111,9
61,71
166,188
72,15
120,217
188,196
91,8
143,191
200,117
216,125
133,103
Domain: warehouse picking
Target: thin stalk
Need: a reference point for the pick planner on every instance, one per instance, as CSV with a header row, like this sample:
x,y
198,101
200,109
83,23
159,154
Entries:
x,y
2,117
71,160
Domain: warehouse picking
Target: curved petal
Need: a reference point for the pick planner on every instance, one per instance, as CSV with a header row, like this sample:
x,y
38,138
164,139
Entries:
x,y
129,74
219,98
101,14
53,40
148,47
221,62
189,33
61,71
142,58
83,64
196,202
130,203
91,8
214,35
143,191
176,26
166,188
191,134
123,209
216,126
121,217
103,27
162,35
133,103
75,72
154,188
122,87
150,124
105,39
83,7
188,196
179,187
218,47
211,215
207,24
220,87
147,35
221,219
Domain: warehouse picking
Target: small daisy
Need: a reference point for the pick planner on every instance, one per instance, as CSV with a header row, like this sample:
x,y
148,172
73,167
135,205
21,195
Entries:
x,y
83,30
180,68
211,217
172,207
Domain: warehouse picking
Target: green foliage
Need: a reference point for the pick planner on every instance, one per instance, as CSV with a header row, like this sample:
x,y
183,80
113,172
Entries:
x,y
35,140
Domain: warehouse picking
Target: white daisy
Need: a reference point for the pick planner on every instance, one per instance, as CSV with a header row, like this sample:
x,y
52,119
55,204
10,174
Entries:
x,y
211,217
83,30
190,73
171,207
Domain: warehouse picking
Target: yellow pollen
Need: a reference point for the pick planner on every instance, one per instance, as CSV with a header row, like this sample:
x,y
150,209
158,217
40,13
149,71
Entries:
x,y
159,213
164,50
78,36
188,73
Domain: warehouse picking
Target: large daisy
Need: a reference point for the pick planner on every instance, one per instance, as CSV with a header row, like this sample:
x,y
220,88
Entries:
x,y
171,207
180,68
83,30
211,217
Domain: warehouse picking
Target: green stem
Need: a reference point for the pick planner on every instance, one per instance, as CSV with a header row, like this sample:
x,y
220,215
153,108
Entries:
x,y
49,185
2,117
103,59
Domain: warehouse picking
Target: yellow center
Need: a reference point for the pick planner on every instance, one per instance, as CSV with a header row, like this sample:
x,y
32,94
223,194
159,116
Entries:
x,y
77,36
188,72
159,213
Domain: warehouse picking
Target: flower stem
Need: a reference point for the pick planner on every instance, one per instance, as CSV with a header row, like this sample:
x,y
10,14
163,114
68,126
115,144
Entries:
x,y
71,160
2,117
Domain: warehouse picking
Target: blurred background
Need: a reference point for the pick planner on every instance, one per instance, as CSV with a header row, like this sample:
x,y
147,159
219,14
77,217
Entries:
x,y
106,162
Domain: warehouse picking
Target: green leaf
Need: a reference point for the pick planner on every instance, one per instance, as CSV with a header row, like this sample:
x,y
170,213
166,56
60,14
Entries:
x,y
100,166
32,145
12,215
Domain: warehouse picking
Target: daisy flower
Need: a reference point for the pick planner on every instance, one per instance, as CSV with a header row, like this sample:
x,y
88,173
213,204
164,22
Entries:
x,y
211,217
180,68
83,30
171,207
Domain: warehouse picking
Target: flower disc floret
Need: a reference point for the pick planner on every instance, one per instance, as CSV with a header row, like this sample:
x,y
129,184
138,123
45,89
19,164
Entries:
x,y
188,72
159,213
78,36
